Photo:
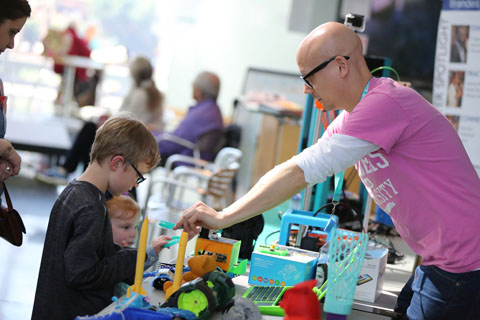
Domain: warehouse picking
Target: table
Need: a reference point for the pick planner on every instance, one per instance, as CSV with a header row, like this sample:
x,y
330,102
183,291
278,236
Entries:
x,y
157,296
71,63
395,277
49,135
383,305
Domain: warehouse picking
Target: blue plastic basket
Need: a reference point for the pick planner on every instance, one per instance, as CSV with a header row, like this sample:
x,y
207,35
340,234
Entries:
x,y
345,258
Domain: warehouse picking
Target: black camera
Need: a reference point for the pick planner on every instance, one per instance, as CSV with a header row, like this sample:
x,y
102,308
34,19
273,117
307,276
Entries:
x,y
356,22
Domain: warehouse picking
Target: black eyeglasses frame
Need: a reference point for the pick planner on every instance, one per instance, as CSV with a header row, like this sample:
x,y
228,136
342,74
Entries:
x,y
140,178
318,68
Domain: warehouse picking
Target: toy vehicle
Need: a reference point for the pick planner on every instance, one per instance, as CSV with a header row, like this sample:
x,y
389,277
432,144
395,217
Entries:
x,y
204,295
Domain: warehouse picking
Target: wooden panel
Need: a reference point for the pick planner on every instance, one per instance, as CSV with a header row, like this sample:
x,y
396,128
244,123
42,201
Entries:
x,y
266,148
288,142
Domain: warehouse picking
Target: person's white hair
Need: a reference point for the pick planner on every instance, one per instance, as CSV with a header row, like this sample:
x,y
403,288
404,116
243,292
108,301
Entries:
x,y
209,83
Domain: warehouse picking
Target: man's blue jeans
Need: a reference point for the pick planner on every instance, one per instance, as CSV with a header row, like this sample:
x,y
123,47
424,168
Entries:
x,y
433,293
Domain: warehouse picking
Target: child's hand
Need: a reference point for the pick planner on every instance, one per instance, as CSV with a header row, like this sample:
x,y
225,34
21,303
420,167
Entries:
x,y
126,244
159,242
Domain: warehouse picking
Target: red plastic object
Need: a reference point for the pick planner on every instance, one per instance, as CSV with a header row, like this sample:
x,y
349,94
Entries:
x,y
301,303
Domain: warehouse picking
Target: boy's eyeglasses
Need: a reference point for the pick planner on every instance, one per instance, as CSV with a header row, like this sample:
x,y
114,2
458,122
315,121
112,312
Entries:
x,y
318,68
140,178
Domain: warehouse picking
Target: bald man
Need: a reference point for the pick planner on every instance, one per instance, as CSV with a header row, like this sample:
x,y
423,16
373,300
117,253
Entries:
x,y
408,156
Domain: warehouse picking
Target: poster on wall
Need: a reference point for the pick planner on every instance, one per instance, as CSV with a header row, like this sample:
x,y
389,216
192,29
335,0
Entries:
x,y
456,83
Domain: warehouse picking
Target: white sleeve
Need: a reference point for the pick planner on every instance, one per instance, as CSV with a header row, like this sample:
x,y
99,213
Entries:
x,y
332,155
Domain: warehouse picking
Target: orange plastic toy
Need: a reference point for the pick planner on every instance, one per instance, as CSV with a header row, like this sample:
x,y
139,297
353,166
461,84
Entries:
x,y
199,265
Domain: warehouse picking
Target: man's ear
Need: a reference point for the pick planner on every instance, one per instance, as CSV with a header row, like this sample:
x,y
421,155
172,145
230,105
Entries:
x,y
342,65
116,162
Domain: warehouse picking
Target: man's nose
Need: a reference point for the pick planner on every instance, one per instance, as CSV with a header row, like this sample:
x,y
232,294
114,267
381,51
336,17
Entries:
x,y
307,89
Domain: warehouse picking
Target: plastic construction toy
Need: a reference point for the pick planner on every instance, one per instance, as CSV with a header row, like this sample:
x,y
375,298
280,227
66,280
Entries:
x,y
272,249
163,274
300,302
134,313
198,265
160,280
226,250
180,259
238,269
203,296
135,300
166,225
142,247
144,314
267,298
160,277
174,241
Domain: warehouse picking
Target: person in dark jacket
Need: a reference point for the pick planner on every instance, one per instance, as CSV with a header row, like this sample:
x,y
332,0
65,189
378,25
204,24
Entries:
x,y
80,263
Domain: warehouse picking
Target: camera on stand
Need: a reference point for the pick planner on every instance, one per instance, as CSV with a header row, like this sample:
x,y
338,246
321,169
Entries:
x,y
356,22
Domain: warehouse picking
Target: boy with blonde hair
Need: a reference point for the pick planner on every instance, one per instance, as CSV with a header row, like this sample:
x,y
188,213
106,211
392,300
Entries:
x,y
80,263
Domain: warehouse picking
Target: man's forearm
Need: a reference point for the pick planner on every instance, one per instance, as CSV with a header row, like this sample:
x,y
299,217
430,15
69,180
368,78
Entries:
x,y
278,185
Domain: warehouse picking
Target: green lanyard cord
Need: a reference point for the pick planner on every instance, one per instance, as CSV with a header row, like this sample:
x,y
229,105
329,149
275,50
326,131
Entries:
x,y
339,176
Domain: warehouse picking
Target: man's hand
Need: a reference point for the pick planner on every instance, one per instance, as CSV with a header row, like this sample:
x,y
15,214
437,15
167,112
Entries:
x,y
199,216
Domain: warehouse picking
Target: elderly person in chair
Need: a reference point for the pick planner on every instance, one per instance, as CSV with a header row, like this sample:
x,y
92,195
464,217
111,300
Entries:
x,y
204,117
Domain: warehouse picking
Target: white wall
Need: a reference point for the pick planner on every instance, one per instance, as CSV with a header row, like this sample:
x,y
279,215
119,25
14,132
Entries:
x,y
226,37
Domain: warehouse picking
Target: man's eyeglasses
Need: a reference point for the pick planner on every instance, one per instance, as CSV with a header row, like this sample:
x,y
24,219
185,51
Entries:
x,y
320,67
140,178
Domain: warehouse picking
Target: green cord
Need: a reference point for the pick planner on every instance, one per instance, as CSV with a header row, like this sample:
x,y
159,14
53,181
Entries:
x,y
388,68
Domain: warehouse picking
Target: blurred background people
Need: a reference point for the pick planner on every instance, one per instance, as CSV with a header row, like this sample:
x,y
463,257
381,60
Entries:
x,y
455,89
59,45
458,50
205,116
144,100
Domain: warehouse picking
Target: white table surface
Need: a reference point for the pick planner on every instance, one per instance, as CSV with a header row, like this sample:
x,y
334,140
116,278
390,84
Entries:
x,y
396,275
157,296
51,133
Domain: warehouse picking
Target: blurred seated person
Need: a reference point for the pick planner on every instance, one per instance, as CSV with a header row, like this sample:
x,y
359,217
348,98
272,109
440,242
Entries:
x,y
67,43
144,100
201,118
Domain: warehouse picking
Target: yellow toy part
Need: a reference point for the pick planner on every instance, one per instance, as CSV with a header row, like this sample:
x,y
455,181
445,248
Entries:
x,y
182,246
142,247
